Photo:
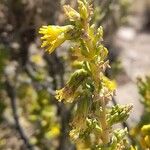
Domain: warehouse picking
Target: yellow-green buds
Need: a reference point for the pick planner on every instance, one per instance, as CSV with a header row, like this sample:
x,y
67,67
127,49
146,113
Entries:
x,y
72,14
117,142
74,134
82,110
99,32
110,85
133,148
103,52
54,36
145,137
119,113
120,133
83,9
93,124
107,88
68,93
147,141
146,129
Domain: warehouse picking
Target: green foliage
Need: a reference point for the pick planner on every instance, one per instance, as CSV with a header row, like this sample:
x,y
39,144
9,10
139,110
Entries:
x,y
88,87
3,60
141,132
144,91
119,113
41,113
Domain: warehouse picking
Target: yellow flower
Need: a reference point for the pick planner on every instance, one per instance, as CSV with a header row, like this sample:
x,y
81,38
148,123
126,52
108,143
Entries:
x,y
53,132
67,93
109,84
54,36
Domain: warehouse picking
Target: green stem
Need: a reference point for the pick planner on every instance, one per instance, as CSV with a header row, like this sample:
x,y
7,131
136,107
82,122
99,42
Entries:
x,y
103,121
96,78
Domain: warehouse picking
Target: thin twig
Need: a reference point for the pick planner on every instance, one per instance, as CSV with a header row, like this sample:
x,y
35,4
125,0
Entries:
x,y
12,95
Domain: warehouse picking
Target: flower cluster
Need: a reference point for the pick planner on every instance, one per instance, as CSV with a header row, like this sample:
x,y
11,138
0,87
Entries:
x,y
88,87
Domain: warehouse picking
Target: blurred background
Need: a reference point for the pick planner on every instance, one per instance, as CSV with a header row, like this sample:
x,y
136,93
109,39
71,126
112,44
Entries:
x,y
30,117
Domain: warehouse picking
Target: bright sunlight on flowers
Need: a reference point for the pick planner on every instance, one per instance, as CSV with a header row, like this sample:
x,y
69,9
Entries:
x,y
54,36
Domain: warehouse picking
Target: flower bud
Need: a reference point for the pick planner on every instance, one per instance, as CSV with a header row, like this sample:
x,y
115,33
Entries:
x,y
146,129
100,32
119,113
68,93
83,10
72,14
147,141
